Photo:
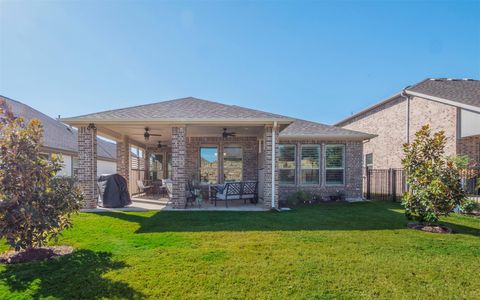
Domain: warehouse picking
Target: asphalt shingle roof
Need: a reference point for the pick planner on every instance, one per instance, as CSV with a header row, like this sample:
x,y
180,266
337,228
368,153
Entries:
x,y
56,134
466,91
303,128
184,109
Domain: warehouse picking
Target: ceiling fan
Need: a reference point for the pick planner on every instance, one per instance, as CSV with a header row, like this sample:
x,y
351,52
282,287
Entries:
x,y
147,134
226,134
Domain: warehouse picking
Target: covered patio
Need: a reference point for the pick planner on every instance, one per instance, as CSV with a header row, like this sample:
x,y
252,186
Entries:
x,y
192,145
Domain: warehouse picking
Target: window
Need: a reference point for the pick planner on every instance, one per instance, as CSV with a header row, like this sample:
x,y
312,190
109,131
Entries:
x,y
286,159
232,164
310,165
209,164
334,164
137,160
369,160
155,166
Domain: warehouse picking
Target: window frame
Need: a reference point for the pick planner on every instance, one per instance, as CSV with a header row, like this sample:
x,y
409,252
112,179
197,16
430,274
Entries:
x,y
200,162
301,182
367,165
335,168
222,166
295,162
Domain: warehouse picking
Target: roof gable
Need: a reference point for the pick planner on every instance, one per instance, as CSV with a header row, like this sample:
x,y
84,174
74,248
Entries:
x,y
181,109
307,129
56,134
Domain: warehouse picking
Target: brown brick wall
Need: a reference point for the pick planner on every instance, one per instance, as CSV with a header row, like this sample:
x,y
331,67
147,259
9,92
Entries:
x,y
470,146
352,188
249,147
388,121
123,160
179,176
87,165
267,168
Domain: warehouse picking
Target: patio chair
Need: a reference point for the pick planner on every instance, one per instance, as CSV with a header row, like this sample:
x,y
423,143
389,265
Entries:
x,y
147,189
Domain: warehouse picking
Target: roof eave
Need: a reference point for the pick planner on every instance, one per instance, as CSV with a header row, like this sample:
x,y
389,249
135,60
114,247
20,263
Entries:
x,y
361,137
176,121
445,101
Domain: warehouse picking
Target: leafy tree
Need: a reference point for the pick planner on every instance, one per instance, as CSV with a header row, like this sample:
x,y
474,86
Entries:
x,y
433,180
35,206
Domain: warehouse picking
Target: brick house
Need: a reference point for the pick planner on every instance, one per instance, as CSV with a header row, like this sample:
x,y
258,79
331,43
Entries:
x,y
62,139
451,105
192,139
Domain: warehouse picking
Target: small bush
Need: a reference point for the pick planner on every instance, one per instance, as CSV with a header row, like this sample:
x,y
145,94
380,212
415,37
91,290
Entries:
x,y
469,206
301,198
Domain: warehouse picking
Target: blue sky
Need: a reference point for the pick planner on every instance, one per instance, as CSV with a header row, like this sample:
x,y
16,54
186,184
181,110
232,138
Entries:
x,y
316,60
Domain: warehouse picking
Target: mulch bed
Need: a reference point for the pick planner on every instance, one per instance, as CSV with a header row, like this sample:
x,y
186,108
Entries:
x,y
44,253
429,228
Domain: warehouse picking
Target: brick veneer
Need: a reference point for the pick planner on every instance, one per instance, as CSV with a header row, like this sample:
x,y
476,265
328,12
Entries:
x,y
470,146
123,159
353,170
389,120
87,165
267,168
179,176
249,147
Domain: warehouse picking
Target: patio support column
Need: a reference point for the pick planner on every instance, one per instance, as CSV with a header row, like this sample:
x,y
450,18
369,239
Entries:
x,y
179,155
270,162
87,164
123,159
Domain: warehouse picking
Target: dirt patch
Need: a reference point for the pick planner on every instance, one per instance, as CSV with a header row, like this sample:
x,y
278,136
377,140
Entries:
x,y
429,228
13,257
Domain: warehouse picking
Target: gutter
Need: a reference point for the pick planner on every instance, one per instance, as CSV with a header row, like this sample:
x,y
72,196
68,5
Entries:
x,y
274,128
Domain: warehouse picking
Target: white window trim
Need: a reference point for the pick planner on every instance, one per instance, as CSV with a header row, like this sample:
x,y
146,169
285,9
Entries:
x,y
319,165
294,183
337,168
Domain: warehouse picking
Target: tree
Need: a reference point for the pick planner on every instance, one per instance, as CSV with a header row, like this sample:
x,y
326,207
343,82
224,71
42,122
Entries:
x,y
35,206
434,186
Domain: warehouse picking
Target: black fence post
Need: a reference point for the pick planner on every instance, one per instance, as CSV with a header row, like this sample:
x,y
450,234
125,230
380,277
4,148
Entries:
x,y
394,185
367,171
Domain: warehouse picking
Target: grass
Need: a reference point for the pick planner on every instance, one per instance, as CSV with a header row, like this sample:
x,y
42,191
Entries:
x,y
341,251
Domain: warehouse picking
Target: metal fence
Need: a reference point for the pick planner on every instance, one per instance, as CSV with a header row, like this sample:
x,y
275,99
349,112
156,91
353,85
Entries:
x,y
390,184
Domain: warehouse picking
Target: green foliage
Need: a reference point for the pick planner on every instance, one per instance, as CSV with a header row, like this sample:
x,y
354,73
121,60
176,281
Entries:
x,y
469,206
434,181
299,198
34,205
460,161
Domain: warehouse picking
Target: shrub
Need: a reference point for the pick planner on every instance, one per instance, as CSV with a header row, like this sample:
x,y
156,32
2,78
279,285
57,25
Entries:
x,y
434,181
469,206
299,198
34,205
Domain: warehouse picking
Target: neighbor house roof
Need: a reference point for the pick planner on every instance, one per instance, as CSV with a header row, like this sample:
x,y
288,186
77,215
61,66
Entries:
x,y
463,93
196,111
307,129
58,136
184,110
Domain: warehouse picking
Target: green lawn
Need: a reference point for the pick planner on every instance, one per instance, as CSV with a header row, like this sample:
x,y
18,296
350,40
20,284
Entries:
x,y
360,250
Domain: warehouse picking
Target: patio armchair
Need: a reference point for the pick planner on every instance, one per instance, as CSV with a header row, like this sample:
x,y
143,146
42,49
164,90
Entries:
x,y
147,189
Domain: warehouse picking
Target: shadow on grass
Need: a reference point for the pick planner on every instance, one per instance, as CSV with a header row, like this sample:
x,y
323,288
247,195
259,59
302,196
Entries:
x,y
335,216
74,276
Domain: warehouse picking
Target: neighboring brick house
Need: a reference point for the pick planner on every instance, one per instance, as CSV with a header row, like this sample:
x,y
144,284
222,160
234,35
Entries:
x,y
62,139
192,139
451,105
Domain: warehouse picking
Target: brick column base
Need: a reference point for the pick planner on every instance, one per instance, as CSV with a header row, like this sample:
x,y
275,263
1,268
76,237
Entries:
x,y
267,187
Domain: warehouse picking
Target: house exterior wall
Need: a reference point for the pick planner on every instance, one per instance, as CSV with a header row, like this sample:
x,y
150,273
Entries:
x,y
470,146
352,187
249,147
389,122
87,165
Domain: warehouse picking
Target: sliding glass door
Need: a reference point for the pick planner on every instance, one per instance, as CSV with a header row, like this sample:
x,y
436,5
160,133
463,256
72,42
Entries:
x,y
232,163
209,164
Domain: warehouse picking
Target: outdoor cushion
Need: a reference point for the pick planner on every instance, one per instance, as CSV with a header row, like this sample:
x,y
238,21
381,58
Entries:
x,y
230,197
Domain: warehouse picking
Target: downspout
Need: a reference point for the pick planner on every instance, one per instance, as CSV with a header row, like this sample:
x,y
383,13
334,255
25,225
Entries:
x,y
407,116
274,128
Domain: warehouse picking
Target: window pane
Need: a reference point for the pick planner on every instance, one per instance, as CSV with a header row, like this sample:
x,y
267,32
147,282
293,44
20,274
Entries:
x,y
286,156
334,156
209,164
334,176
369,160
232,163
310,176
287,176
310,157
